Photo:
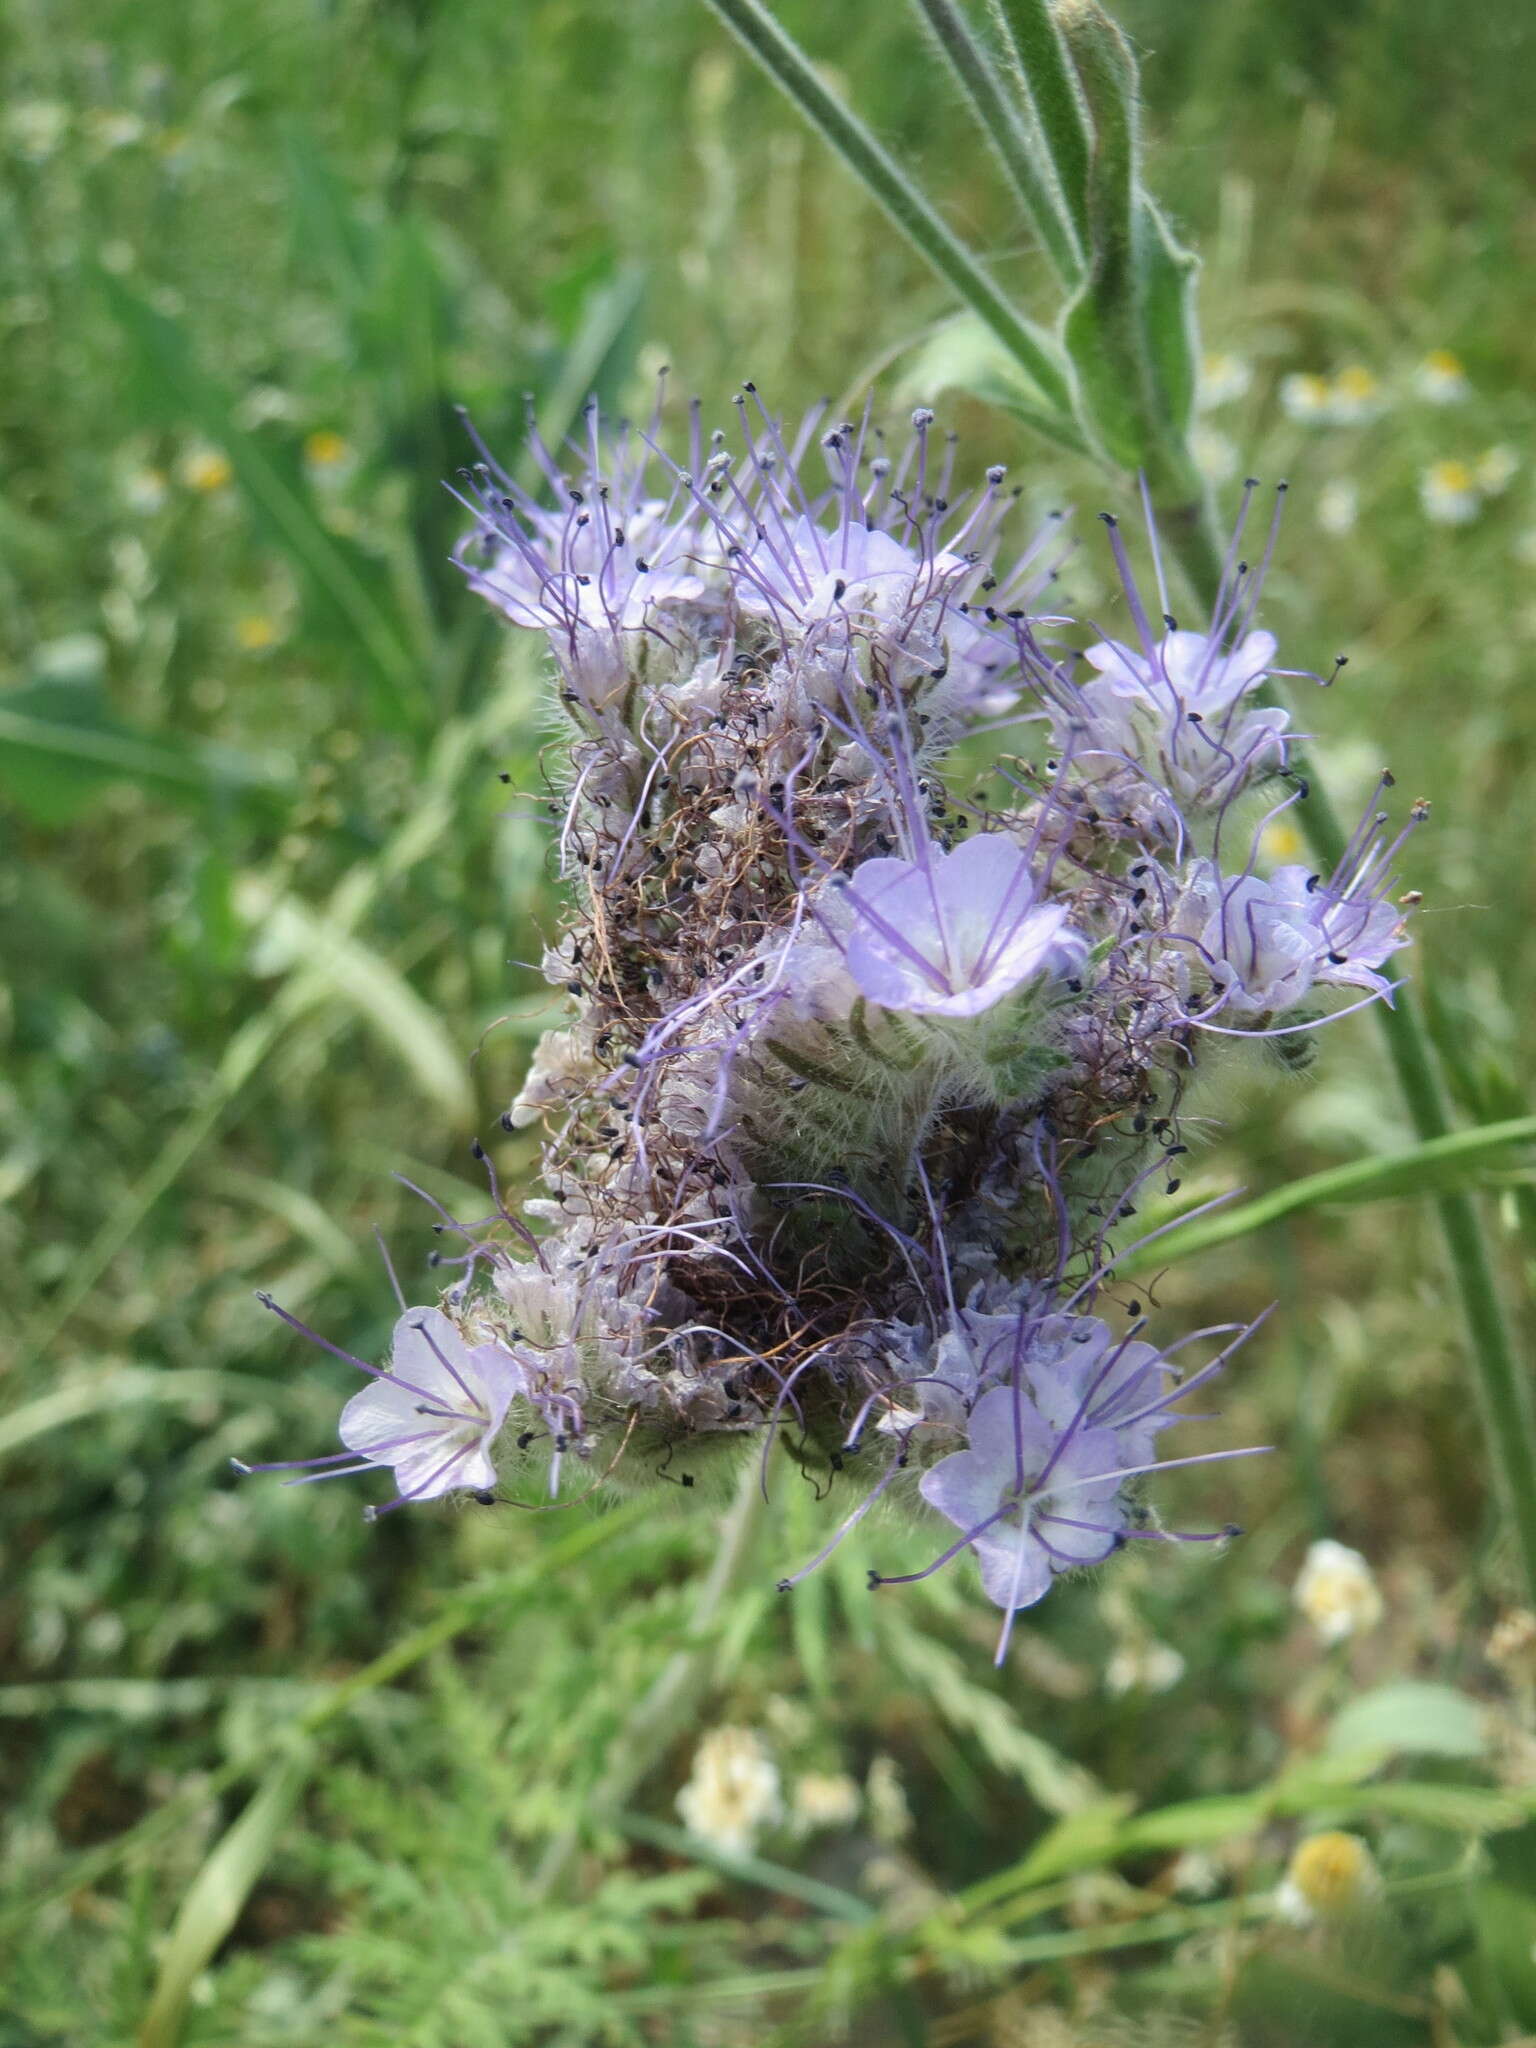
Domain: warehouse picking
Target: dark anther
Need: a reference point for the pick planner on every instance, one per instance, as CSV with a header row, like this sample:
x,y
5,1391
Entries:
x,y
875,1580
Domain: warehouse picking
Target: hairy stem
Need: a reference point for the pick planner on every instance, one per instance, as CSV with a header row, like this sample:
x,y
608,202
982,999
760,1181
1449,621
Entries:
x,y
1005,123
885,181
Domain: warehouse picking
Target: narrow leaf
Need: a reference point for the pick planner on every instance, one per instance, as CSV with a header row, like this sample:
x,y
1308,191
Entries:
x,y
1390,1176
217,1894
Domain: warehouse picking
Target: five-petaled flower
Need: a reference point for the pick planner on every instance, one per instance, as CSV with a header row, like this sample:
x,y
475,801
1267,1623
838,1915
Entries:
x,y
951,934
1031,1499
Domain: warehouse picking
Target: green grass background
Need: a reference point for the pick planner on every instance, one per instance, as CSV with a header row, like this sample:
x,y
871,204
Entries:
x,y
262,904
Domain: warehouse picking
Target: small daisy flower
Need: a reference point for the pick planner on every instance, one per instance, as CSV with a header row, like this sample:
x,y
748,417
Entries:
x,y
1449,494
255,632
732,1792
1223,378
1440,378
1495,470
326,449
1336,1590
1280,841
1307,398
1355,397
1331,1876
205,469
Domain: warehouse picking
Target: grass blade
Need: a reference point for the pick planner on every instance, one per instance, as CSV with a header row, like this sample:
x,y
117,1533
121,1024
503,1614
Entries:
x,y
1420,1170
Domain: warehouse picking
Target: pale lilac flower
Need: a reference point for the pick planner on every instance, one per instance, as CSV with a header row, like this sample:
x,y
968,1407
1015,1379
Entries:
x,y
1267,942
1080,1371
431,1415
435,1413
1031,1500
1261,955
1177,712
951,934
614,561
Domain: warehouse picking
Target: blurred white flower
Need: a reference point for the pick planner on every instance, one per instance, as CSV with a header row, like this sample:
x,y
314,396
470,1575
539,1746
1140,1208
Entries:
x,y
1223,377
825,1799
204,468
1448,493
1355,396
110,129
1338,505
1352,398
1336,1590
1495,470
145,490
1215,454
1440,378
35,128
890,1817
1306,398
1144,1666
733,1791
1196,1875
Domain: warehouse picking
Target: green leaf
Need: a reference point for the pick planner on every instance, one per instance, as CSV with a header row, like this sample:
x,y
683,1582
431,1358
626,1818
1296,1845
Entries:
x,y
126,1386
1422,1169
1411,1718
963,354
1505,1921
291,937
60,744
1167,276
747,1869
217,1894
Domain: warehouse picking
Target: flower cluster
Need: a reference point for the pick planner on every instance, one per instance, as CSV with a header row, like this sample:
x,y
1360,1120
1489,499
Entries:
x,y
861,1071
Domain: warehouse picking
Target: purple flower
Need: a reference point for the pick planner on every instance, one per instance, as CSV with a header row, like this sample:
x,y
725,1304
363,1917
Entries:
x,y
1031,1499
1080,1371
951,934
1262,956
617,555
1167,728
434,1414
1267,942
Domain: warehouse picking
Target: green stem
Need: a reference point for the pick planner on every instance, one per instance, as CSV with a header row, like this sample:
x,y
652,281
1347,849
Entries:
x,y
1044,76
1503,1387
790,69
1001,122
